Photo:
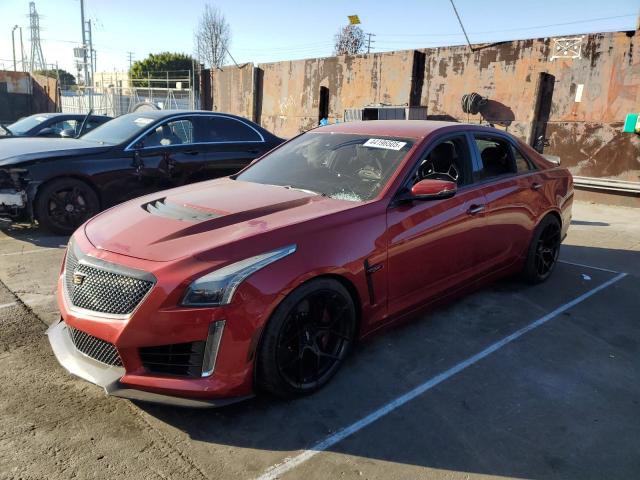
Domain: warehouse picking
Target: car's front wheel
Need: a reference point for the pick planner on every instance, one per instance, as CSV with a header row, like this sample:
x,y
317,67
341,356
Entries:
x,y
307,339
65,204
543,250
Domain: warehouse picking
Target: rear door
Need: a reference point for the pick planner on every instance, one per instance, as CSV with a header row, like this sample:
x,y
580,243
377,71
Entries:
x,y
510,187
227,145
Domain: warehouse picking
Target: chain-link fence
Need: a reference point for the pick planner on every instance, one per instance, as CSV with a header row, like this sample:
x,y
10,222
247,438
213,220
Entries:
x,y
115,101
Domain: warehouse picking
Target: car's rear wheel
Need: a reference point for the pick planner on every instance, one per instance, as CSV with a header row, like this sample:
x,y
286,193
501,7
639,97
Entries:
x,y
543,251
307,339
65,204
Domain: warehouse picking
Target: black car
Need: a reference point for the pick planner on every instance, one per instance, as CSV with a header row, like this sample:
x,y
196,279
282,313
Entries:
x,y
63,182
52,125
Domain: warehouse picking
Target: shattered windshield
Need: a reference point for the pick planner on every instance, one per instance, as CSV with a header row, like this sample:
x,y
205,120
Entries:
x,y
342,166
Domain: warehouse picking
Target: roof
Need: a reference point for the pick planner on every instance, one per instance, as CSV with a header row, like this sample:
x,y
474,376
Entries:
x,y
397,128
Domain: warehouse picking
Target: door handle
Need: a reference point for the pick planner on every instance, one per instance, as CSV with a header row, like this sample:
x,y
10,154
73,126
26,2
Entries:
x,y
536,186
253,150
475,209
192,152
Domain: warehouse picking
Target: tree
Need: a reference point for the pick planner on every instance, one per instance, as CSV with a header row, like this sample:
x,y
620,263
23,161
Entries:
x,y
66,79
212,37
165,65
349,41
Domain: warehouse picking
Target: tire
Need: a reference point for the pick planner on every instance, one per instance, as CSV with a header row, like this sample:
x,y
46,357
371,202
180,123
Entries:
x,y
543,252
64,204
299,339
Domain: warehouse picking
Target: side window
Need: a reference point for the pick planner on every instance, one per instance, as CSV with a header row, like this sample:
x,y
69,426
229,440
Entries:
x,y
496,156
221,129
449,160
522,164
64,125
176,132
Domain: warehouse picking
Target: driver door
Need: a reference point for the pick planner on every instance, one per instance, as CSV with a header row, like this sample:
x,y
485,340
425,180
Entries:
x,y
161,153
433,245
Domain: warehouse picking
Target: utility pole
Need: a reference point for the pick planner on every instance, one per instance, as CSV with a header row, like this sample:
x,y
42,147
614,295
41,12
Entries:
x,y
13,44
130,59
90,43
369,41
85,65
22,60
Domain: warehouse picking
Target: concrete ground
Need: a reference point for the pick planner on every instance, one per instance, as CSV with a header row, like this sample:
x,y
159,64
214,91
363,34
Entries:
x,y
559,401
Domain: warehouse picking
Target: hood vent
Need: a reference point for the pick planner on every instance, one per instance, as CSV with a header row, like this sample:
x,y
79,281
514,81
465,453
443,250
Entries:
x,y
164,208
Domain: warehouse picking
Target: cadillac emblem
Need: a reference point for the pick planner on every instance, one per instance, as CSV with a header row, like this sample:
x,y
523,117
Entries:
x,y
78,278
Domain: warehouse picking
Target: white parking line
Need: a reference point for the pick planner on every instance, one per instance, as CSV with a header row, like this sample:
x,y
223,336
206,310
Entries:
x,y
39,250
292,462
7,305
587,266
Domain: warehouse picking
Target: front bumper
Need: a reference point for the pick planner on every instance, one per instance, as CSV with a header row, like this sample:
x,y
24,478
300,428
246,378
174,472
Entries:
x,y
108,377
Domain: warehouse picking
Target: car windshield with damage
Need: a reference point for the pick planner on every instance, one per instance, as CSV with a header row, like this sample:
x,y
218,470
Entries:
x,y
342,166
119,130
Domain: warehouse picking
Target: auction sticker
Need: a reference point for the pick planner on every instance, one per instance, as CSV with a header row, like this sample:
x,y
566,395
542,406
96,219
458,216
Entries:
x,y
383,143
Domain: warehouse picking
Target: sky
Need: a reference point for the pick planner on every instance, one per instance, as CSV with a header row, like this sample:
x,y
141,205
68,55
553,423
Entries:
x,y
291,29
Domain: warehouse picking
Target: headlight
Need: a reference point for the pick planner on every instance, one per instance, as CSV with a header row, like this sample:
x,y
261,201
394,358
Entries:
x,y
217,288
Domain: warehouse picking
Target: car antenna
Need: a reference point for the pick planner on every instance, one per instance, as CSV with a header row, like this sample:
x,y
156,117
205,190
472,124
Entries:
x,y
83,123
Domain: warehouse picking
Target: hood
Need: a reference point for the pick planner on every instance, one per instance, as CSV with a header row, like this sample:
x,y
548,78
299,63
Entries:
x,y
199,218
21,149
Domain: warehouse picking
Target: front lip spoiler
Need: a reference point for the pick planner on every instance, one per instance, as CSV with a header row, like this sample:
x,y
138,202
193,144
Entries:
x,y
108,377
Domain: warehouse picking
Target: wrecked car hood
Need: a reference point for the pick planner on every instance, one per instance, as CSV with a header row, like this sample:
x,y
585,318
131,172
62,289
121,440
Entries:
x,y
17,150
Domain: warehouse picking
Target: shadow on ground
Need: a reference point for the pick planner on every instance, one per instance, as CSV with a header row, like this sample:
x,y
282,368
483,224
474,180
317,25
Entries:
x,y
31,233
560,402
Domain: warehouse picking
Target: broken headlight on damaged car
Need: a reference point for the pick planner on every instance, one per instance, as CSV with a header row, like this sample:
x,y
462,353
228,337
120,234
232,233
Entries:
x,y
217,288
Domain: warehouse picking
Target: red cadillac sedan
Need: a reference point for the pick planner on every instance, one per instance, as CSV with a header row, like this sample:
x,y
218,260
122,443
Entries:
x,y
264,281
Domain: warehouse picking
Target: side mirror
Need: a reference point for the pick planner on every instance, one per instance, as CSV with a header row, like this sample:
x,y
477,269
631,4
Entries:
x,y
429,189
68,133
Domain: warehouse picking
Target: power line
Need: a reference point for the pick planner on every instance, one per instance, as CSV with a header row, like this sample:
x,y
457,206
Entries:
x,y
505,29
455,10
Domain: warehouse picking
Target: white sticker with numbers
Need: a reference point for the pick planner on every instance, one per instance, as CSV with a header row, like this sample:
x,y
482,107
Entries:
x,y
383,143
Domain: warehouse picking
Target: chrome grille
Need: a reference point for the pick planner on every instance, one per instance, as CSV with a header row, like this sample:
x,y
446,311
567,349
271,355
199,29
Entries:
x,y
95,348
102,290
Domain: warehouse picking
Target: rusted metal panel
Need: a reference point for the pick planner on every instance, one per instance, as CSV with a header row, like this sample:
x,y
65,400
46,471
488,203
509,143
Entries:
x,y
233,90
591,94
291,90
16,82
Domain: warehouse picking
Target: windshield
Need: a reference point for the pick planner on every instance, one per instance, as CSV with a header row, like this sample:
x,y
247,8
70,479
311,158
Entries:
x,y
25,124
120,129
341,166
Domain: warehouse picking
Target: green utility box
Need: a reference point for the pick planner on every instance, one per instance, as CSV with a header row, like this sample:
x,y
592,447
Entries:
x,y
632,123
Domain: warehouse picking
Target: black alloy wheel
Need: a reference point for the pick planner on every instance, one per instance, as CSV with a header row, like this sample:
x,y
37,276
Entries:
x,y
307,339
65,204
544,250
